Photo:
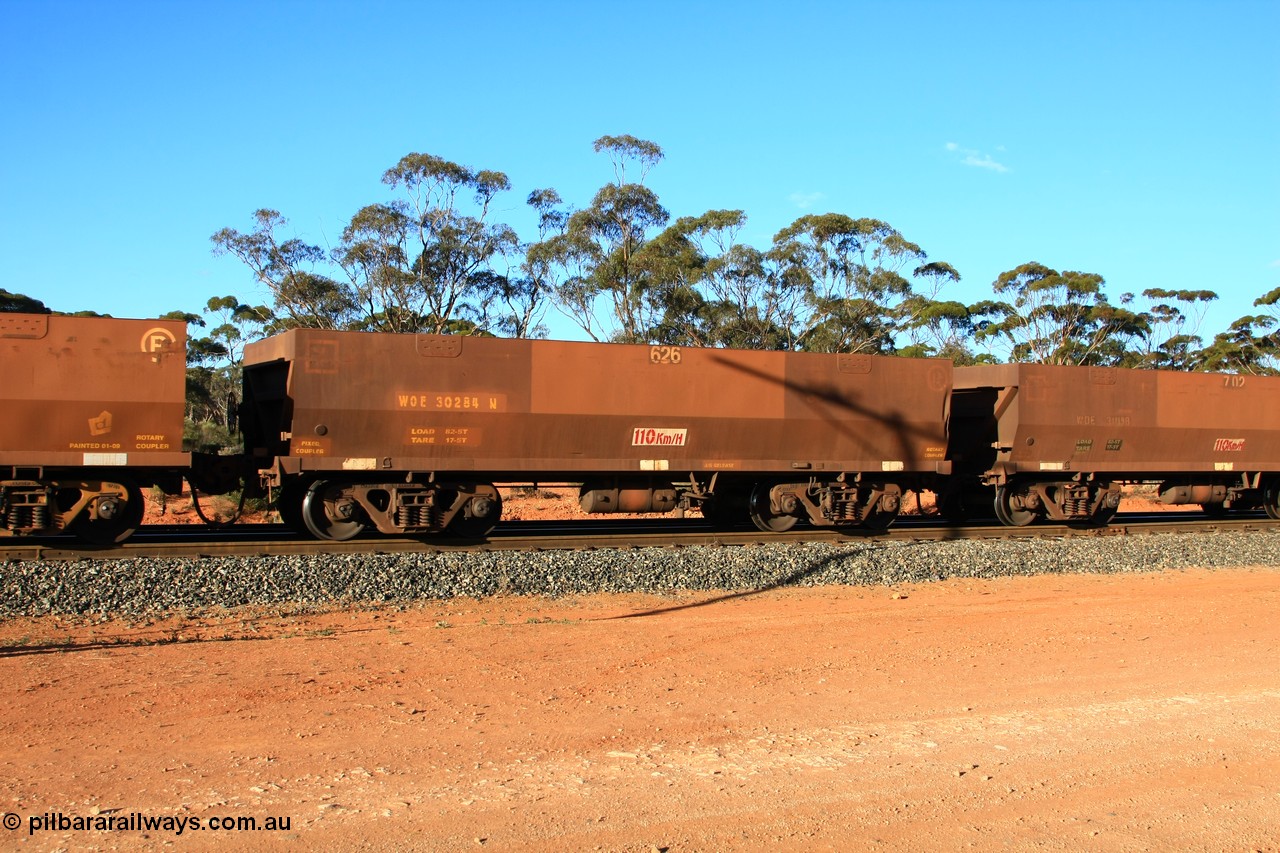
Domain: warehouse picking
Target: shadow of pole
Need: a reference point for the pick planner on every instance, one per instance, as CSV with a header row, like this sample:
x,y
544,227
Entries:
x,y
791,579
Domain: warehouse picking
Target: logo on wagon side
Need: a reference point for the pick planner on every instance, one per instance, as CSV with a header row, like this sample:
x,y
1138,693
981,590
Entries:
x,y
652,436
157,339
101,425
1228,445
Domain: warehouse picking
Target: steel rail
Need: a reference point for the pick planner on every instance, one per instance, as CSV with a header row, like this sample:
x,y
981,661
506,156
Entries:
x,y
189,541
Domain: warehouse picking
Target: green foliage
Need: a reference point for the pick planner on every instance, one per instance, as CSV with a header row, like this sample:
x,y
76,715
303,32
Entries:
x,y
429,260
214,362
434,258
939,328
184,317
423,261
1250,345
1057,318
1174,317
596,258
18,303
710,290
303,298
1270,298
862,282
208,437
628,149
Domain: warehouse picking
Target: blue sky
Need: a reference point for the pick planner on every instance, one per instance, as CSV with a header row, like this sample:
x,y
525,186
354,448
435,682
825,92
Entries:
x,y
1137,140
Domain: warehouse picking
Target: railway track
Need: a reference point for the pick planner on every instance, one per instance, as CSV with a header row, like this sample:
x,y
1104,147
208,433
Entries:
x,y
189,541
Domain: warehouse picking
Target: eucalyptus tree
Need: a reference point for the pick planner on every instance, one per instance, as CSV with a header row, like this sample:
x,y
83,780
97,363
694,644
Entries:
x,y
1175,318
938,328
1251,344
514,304
1270,301
424,262
712,290
677,265
207,418
1052,317
592,260
1269,318
236,324
214,366
753,306
19,302
858,277
302,297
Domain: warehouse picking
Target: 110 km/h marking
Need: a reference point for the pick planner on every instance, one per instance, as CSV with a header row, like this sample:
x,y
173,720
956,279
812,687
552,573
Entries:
x,y
651,436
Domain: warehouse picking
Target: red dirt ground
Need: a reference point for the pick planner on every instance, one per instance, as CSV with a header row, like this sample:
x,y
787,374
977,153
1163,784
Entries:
x,y
1121,712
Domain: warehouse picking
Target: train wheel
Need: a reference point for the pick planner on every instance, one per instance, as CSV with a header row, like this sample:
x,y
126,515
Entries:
x,y
328,514
478,517
1271,501
1005,512
763,516
117,519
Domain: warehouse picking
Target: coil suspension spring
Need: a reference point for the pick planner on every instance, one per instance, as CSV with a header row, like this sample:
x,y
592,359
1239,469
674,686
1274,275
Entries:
x,y
419,515
1076,506
26,517
845,507
417,509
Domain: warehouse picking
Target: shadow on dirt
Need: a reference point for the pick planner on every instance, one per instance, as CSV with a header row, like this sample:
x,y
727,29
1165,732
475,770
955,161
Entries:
x,y
817,567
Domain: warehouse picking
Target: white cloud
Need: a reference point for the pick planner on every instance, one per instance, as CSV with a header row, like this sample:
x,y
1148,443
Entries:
x,y
978,159
1276,263
804,201
985,162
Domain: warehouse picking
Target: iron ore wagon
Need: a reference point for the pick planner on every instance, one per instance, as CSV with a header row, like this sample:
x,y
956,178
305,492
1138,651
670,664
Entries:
x,y
91,410
409,433
1057,442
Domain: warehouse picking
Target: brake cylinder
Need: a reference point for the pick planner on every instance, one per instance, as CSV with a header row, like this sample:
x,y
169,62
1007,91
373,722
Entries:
x,y
1192,494
594,500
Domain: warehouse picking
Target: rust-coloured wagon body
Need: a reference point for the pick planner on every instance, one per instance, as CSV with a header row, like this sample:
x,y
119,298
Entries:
x,y
90,409
1058,440
410,431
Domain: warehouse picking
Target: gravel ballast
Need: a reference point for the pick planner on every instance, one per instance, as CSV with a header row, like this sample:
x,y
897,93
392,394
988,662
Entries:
x,y
137,587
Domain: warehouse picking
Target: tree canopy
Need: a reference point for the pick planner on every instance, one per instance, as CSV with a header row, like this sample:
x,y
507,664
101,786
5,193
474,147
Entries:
x,y
435,256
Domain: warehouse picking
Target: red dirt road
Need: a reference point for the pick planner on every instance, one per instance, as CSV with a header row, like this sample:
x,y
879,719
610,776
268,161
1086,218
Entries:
x,y
1134,712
